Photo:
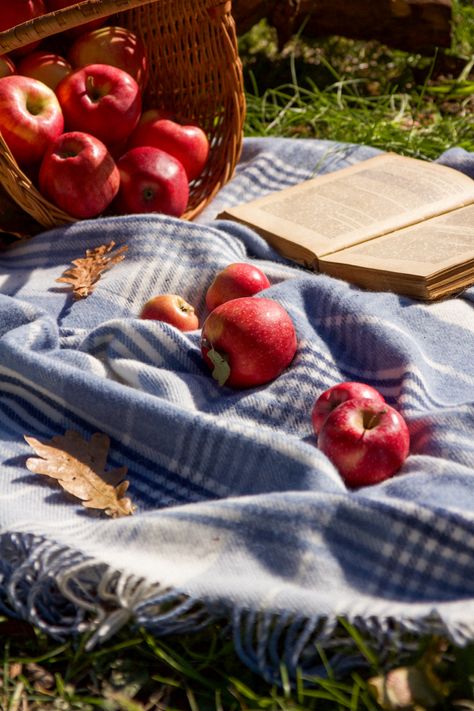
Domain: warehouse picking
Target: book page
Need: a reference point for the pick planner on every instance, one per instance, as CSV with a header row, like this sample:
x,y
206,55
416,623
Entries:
x,y
421,250
334,211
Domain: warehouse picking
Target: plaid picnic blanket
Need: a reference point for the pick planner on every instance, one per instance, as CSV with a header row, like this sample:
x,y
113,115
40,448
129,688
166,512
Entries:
x,y
240,517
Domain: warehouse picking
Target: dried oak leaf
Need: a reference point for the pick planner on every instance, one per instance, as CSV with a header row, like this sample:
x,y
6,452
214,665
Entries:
x,y
87,270
79,467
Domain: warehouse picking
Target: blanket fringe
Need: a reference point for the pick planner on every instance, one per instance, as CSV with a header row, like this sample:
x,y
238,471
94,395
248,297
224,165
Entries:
x,y
65,594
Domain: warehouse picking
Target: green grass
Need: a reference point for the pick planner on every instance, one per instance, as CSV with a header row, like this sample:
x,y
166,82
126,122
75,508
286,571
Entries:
x,y
362,92
340,90
136,672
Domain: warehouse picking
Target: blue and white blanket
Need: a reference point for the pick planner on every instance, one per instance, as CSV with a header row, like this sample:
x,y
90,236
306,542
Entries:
x,y
240,516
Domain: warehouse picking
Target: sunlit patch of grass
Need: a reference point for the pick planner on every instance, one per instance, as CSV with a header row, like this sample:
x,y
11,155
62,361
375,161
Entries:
x,y
362,92
408,123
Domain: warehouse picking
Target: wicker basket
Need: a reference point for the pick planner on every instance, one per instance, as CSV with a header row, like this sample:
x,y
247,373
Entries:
x,y
194,71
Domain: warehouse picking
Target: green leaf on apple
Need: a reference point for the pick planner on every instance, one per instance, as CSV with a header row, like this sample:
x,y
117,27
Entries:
x,y
221,370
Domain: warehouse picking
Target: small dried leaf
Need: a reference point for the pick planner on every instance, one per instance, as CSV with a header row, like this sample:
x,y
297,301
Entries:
x,y
15,670
87,270
79,467
41,678
405,688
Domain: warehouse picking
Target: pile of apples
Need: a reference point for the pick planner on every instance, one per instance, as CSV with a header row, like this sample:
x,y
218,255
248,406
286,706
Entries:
x,y
75,123
72,116
366,439
248,341
245,342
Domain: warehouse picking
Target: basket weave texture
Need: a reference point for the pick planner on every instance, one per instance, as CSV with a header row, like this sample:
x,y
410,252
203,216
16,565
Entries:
x,y
194,71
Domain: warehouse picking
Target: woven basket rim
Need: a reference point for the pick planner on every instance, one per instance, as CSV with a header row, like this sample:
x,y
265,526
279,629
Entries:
x,y
51,23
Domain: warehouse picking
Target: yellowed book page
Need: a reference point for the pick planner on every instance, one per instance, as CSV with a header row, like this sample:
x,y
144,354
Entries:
x,y
421,250
334,211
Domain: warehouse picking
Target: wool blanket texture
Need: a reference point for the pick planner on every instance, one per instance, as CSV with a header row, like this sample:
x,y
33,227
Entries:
x,y
239,516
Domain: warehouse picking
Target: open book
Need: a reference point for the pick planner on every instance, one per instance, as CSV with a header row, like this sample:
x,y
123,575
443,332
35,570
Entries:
x,y
389,223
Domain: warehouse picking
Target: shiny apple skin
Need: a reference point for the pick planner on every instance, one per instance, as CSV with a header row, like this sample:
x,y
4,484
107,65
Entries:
x,y
48,67
102,100
79,175
7,66
235,281
366,440
15,12
255,335
113,45
151,181
188,143
337,394
172,309
30,117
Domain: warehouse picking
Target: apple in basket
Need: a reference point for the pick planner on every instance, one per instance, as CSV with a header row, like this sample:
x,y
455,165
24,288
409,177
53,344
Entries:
x,y
79,175
247,342
151,181
188,143
337,394
48,67
235,281
15,12
73,32
102,100
366,440
117,46
7,66
172,309
30,117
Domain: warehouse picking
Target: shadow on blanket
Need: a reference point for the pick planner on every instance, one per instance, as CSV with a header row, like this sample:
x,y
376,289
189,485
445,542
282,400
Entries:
x,y
240,516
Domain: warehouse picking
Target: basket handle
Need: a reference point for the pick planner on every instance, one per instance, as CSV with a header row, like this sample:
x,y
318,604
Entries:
x,y
53,22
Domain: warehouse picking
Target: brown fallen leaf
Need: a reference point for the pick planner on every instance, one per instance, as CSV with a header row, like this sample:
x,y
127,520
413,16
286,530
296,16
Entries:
x,y
404,689
86,272
79,467
15,669
43,681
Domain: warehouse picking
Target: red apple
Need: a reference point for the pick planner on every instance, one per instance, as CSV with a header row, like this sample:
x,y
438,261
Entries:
x,y
73,32
48,67
30,117
79,175
189,144
234,281
7,67
172,309
337,394
248,342
112,45
151,181
366,440
15,12
102,100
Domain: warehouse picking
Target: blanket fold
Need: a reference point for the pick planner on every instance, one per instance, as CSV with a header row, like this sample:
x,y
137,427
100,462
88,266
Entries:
x,y
240,517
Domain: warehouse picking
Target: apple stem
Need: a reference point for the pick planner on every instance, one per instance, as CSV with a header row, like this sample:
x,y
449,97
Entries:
x,y
373,419
91,88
